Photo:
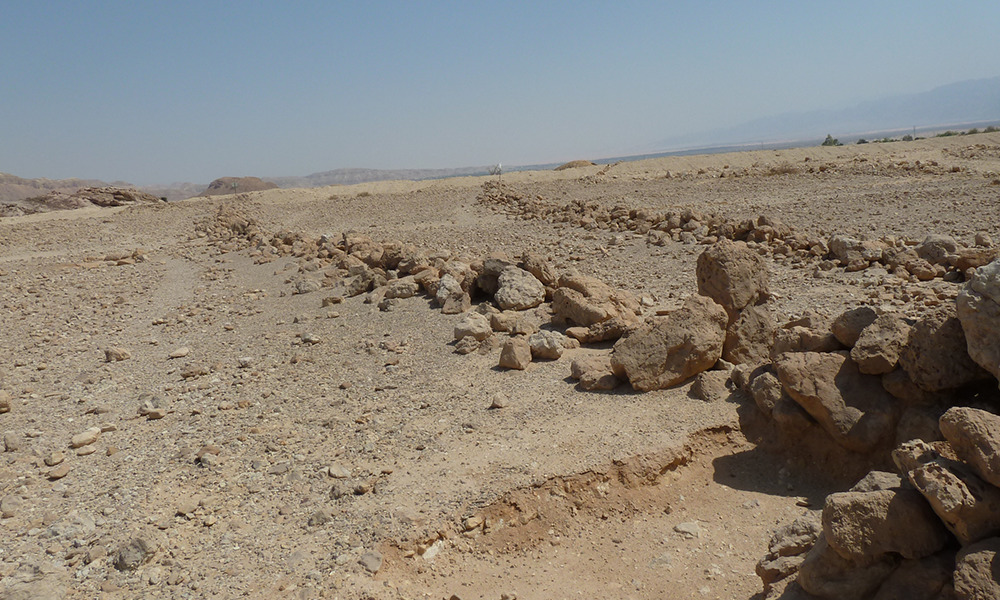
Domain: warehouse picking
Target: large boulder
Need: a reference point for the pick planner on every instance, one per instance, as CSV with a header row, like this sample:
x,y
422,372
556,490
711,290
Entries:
x,y
936,355
594,373
968,506
518,289
810,333
861,526
827,574
938,249
488,279
405,287
974,434
539,267
848,326
749,336
977,571
473,325
978,306
766,391
733,275
851,406
450,295
548,345
787,548
585,301
364,249
854,253
924,579
877,349
671,349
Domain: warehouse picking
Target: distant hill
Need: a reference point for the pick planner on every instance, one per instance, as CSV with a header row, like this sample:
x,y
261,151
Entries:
x,y
104,196
966,102
237,185
14,188
352,176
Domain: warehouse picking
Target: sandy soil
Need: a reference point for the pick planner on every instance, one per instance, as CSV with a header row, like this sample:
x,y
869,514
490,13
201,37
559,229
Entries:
x,y
571,494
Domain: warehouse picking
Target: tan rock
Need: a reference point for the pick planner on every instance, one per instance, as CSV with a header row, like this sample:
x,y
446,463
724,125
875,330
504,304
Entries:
x,y
936,355
968,506
59,472
926,579
977,571
116,354
518,290
593,371
851,406
538,267
85,438
547,344
978,309
877,349
862,526
829,575
516,354
671,349
473,325
585,301
974,435
405,287
733,275
848,326
749,337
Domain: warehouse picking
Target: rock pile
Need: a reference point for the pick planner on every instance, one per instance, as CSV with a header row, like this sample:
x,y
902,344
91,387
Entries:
x,y
871,379
869,382
915,260
527,300
931,530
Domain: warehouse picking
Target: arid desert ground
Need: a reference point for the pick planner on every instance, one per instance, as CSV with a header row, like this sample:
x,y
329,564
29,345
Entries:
x,y
195,413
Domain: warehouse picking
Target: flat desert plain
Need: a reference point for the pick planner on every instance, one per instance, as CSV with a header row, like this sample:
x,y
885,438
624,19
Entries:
x,y
187,421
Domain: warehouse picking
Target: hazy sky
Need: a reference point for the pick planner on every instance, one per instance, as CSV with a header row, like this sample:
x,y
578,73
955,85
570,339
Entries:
x,y
157,92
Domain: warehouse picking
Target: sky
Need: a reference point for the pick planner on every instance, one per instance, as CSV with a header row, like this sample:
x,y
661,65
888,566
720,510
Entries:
x,y
161,92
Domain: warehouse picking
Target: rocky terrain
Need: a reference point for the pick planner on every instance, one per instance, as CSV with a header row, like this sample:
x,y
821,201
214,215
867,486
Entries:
x,y
90,197
765,374
14,188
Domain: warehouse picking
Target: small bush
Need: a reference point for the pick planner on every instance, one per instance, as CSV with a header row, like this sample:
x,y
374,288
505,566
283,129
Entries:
x,y
862,141
831,141
907,138
991,129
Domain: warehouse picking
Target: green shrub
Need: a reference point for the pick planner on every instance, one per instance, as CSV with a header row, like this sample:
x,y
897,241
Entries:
x,y
831,141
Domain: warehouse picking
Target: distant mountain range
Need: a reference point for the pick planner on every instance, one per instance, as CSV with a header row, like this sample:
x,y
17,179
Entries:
x,y
966,102
957,105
